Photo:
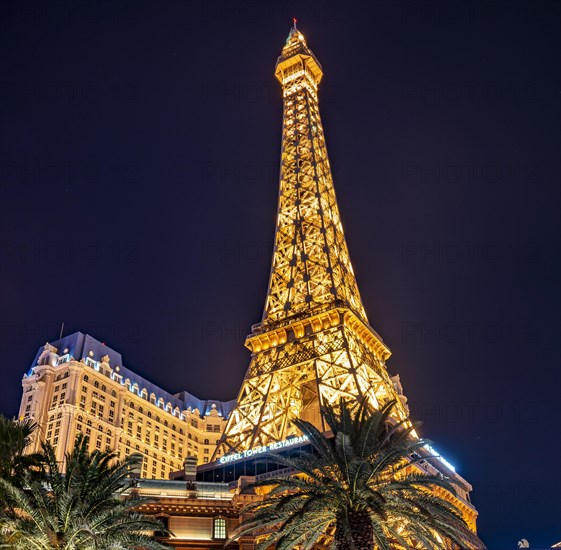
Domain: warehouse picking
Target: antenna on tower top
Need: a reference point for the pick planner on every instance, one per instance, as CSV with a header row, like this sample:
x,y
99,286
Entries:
x,y
294,21
61,329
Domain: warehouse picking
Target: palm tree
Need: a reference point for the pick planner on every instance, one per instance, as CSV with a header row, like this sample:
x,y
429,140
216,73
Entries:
x,y
15,436
81,509
362,487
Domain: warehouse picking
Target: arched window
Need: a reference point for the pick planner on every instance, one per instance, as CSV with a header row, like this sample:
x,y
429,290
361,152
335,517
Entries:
x,y
96,384
86,377
207,442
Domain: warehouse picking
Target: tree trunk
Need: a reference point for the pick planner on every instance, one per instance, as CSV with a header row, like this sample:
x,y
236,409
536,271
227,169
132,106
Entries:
x,y
361,535
361,530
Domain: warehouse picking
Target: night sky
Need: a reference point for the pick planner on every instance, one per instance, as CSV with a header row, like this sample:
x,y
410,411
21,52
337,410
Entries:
x,y
139,177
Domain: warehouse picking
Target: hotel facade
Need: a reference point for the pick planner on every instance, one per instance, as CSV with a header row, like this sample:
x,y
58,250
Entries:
x,y
79,385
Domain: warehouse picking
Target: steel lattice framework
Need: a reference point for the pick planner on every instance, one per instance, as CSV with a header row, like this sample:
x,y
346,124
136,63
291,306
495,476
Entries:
x,y
314,344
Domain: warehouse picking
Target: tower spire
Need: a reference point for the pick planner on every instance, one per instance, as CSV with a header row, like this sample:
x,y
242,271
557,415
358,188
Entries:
x,y
311,266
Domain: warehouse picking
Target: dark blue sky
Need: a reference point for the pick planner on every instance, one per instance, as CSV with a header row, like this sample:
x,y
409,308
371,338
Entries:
x,y
138,183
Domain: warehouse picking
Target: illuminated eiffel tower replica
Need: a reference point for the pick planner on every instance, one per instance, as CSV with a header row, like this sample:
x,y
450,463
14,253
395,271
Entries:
x,y
314,344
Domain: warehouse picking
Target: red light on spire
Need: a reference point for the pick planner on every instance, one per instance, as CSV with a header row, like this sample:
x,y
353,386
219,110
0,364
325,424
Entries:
x,y
294,20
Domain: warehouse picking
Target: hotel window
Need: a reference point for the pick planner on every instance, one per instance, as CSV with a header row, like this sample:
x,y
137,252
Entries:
x,y
84,389
205,460
64,386
29,398
217,428
96,384
86,378
206,442
219,528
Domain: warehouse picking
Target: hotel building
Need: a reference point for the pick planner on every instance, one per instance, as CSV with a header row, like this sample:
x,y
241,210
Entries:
x,y
79,385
